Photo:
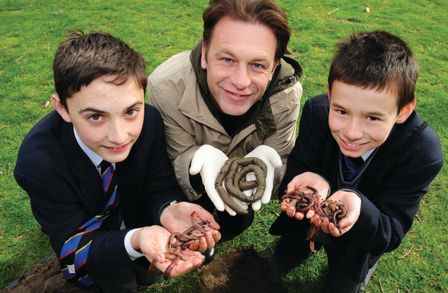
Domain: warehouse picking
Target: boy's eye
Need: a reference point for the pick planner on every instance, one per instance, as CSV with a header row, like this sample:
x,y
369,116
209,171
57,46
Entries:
x,y
340,112
132,112
95,117
373,118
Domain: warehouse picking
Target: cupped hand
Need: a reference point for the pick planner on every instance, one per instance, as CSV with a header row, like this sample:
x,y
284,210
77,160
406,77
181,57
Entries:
x,y
352,204
152,241
177,218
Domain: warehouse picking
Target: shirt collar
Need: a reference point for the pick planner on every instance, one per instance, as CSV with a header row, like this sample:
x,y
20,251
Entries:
x,y
94,157
367,154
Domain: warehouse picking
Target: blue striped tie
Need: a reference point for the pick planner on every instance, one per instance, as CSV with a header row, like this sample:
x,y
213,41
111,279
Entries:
x,y
75,251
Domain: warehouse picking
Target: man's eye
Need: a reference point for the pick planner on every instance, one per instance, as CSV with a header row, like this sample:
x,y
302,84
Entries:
x,y
227,59
373,118
257,66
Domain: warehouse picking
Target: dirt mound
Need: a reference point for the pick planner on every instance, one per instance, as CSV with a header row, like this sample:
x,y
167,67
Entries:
x,y
236,271
240,271
44,277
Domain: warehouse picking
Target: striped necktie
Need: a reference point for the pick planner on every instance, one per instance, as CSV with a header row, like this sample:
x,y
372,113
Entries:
x,y
75,250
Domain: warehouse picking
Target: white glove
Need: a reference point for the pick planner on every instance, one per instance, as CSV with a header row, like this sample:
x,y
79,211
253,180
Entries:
x,y
208,161
273,161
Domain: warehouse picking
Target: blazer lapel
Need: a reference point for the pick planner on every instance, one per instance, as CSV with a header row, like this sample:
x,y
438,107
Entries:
x,y
85,172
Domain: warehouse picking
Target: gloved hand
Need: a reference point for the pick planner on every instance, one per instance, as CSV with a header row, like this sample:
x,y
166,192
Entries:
x,y
273,161
208,161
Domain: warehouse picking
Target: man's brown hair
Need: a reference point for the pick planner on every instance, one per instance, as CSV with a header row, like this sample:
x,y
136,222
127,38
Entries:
x,y
265,12
82,58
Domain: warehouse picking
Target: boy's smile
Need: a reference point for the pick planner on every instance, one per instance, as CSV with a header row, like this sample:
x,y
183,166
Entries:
x,y
107,117
361,119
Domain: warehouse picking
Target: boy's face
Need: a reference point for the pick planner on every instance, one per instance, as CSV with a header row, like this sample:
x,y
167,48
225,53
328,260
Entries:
x,y
361,119
239,62
108,118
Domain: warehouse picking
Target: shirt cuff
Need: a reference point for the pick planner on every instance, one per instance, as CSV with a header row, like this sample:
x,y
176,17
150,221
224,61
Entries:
x,y
133,254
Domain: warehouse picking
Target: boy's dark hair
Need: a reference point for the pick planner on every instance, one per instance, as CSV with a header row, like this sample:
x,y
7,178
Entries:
x,y
82,58
265,12
376,60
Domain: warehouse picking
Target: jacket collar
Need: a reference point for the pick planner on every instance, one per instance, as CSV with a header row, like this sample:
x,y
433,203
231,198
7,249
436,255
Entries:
x,y
286,74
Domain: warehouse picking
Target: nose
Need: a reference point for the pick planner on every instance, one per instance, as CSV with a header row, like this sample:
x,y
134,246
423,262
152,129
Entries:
x,y
353,130
240,77
117,132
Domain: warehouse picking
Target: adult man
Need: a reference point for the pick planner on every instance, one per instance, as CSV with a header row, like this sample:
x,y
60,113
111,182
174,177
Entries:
x,y
236,94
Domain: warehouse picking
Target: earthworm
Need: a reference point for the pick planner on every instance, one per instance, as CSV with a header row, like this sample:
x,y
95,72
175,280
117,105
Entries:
x,y
233,174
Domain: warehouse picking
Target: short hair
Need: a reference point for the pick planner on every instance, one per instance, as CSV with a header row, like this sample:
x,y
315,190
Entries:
x,y
265,12
376,60
82,58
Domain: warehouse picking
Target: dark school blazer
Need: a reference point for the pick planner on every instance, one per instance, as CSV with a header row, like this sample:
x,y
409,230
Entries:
x,y
64,186
390,187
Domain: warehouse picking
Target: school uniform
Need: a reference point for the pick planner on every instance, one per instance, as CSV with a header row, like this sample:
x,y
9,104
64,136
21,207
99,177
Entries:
x,y
65,190
390,183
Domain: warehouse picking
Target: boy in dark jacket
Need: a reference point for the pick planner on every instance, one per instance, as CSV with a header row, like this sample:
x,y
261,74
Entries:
x,y
362,145
98,175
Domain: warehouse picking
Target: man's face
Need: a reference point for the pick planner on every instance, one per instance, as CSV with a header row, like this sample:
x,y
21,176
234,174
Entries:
x,y
239,62
361,119
108,118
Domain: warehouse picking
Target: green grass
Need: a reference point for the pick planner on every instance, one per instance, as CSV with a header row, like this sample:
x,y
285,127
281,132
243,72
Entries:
x,y
31,30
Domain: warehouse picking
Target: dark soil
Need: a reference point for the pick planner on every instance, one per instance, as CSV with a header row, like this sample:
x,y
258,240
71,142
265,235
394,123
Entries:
x,y
44,277
238,271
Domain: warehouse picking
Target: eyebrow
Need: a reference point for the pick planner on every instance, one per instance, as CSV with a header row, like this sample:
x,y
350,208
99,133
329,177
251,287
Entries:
x,y
89,109
379,114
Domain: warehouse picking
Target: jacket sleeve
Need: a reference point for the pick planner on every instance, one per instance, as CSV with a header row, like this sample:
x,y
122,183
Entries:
x,y
181,142
160,184
285,109
306,154
387,215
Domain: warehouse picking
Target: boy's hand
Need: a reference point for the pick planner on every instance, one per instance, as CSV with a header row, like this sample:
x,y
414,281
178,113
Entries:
x,y
352,203
177,218
152,242
208,161
301,183
272,160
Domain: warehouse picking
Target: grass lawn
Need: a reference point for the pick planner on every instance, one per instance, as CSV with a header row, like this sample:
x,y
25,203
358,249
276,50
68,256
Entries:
x,y
31,30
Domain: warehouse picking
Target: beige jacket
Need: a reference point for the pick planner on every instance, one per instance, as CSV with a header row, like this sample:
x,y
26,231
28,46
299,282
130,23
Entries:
x,y
189,124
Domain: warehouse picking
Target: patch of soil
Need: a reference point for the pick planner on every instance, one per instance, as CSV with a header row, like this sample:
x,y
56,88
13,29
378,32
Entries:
x,y
44,277
237,271
240,271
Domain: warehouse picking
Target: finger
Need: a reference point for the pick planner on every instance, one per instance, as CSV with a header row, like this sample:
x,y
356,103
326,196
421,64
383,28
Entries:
x,y
210,240
269,185
194,245
230,211
203,245
310,214
196,163
256,205
290,211
216,235
299,216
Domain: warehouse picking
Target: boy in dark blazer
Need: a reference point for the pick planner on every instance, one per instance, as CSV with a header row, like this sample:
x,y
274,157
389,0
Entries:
x,y
363,145
106,237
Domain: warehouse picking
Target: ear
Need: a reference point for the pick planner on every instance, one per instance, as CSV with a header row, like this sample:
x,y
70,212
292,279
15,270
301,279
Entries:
x,y
406,111
328,92
60,108
203,56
